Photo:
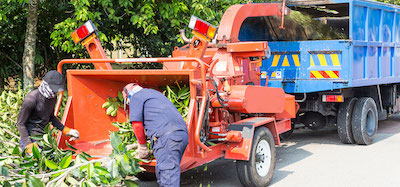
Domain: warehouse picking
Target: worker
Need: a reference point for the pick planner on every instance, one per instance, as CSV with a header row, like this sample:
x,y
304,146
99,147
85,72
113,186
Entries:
x,y
151,111
37,111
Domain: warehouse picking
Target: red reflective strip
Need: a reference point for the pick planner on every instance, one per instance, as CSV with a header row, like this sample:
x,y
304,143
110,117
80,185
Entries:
x,y
82,32
337,73
312,75
201,27
324,74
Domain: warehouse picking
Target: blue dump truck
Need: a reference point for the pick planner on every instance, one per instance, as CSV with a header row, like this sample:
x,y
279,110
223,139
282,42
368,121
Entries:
x,y
351,82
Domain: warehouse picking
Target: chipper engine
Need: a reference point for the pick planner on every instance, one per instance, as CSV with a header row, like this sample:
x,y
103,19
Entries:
x,y
229,116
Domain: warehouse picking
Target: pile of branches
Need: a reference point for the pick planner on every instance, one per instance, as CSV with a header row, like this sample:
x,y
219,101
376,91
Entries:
x,y
52,166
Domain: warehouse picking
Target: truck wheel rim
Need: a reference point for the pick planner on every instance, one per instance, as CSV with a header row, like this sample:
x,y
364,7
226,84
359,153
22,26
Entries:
x,y
370,123
263,158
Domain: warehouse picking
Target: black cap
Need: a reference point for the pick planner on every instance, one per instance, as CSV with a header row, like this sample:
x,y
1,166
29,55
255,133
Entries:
x,y
55,81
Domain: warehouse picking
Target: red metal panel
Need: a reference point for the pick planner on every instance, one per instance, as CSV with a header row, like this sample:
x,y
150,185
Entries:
x,y
247,47
256,99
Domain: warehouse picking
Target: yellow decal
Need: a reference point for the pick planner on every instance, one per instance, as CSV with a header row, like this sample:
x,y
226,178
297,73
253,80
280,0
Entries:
x,y
285,62
276,60
335,59
312,61
322,59
273,74
296,60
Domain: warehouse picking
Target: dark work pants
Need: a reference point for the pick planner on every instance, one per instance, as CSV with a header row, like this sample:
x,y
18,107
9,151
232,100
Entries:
x,y
168,151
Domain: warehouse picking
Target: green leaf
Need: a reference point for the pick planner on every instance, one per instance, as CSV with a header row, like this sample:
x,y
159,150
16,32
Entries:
x,y
70,146
72,181
3,171
130,183
115,140
27,165
34,182
36,153
100,170
16,150
50,164
37,137
66,161
89,184
90,170
6,184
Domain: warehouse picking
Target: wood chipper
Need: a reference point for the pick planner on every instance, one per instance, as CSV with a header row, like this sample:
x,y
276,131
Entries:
x,y
229,116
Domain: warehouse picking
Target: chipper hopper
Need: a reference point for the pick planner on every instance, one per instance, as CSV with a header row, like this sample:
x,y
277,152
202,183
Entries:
x,y
228,115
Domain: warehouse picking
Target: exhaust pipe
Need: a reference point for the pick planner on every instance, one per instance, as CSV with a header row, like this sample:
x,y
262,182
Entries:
x,y
183,36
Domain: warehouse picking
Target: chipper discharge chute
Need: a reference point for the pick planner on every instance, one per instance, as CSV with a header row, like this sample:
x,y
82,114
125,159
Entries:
x,y
228,115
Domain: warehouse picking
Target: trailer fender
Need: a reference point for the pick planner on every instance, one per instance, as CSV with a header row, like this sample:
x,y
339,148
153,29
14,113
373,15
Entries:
x,y
242,150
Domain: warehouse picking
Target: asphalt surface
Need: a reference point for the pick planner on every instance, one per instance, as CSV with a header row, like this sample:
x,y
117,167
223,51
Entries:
x,y
318,159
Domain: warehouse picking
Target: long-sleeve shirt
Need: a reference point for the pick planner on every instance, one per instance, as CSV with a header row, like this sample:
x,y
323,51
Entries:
x,y
36,112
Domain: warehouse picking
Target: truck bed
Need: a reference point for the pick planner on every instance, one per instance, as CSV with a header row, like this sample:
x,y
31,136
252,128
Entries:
x,y
369,56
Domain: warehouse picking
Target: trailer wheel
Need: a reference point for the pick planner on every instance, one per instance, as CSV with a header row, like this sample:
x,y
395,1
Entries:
x,y
344,121
146,176
365,121
258,171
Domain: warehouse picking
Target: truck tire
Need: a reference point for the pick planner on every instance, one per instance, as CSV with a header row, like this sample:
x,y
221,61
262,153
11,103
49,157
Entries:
x,y
259,169
146,176
344,121
364,121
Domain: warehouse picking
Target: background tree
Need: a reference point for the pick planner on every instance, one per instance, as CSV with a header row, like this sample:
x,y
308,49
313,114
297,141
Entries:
x,y
28,59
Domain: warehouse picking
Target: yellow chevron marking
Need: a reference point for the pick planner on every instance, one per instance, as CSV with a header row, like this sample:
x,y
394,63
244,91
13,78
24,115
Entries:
x,y
322,59
285,62
276,60
296,60
273,74
335,59
317,74
312,61
331,74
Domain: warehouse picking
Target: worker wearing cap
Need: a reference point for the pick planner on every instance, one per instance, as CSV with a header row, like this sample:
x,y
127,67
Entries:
x,y
37,111
151,111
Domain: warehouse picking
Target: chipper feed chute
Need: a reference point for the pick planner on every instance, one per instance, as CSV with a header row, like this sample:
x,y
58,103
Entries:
x,y
89,89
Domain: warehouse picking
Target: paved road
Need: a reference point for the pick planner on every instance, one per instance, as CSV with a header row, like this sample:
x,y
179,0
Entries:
x,y
318,159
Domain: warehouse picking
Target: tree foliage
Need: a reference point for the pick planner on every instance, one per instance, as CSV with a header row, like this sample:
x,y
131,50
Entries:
x,y
148,26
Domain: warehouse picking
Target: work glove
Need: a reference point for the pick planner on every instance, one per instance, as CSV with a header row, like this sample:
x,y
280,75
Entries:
x,y
142,152
29,147
133,146
72,133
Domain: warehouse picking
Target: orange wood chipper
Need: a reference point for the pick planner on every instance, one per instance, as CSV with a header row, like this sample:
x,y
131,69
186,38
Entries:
x,y
243,121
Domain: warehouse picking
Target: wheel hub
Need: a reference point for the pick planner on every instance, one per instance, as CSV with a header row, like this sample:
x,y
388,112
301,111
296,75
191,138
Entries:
x,y
263,158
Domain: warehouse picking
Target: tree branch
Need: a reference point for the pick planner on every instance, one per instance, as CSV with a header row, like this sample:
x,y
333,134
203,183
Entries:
x,y
12,60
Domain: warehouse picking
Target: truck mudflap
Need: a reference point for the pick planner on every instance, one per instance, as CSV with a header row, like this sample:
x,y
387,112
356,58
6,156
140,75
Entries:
x,y
242,150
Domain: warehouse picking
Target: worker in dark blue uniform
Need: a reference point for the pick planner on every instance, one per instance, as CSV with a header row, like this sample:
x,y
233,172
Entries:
x,y
151,111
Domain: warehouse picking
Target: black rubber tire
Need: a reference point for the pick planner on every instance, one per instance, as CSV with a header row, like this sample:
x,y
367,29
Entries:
x,y
247,171
364,121
146,176
344,121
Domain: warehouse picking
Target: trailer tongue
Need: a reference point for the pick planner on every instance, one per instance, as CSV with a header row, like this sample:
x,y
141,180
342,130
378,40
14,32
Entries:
x,y
228,115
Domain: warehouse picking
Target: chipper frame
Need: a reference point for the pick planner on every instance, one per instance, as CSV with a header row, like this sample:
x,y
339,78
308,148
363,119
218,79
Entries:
x,y
228,115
